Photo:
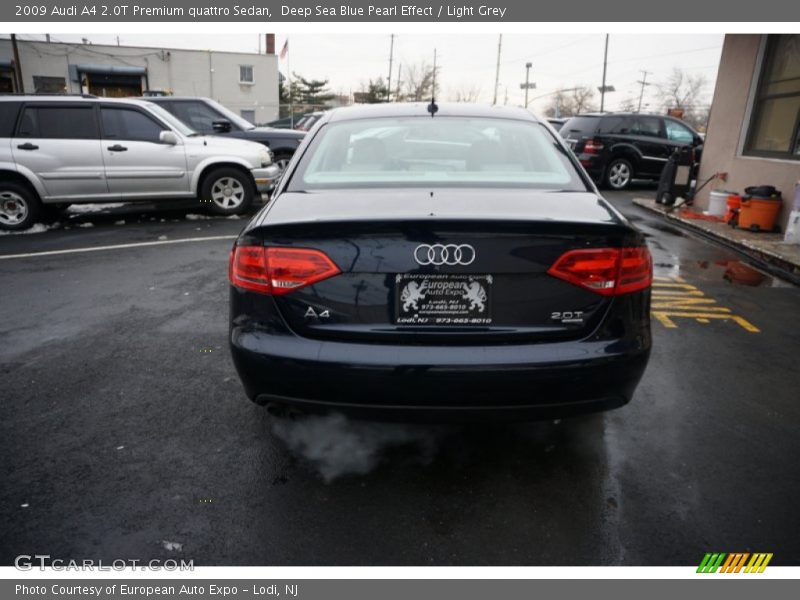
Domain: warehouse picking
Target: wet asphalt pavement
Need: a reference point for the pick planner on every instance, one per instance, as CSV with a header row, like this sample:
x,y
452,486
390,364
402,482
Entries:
x,y
124,426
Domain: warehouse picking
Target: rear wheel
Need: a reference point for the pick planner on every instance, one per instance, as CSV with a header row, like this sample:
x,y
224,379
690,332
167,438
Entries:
x,y
227,191
19,206
619,174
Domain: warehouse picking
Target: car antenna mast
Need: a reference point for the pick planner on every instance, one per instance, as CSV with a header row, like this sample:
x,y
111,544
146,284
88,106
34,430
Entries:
x,y
432,107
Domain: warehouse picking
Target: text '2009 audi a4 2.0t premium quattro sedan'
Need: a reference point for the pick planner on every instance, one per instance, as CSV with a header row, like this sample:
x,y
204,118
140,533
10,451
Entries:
x,y
439,260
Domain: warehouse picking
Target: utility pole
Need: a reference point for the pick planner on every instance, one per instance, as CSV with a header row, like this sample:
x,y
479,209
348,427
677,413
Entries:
x,y
527,85
603,88
17,65
389,83
399,72
433,84
644,83
497,70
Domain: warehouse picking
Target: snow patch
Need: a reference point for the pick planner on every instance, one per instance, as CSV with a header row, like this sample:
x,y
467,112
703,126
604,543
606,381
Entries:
x,y
35,228
82,209
86,225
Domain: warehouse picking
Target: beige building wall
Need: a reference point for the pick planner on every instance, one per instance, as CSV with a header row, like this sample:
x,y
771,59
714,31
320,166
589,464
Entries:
x,y
183,72
727,127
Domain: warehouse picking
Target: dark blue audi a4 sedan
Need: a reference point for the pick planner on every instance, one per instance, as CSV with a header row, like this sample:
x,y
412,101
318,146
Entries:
x,y
439,261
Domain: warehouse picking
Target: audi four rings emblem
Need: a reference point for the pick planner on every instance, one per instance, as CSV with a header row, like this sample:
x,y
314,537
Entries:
x,y
444,254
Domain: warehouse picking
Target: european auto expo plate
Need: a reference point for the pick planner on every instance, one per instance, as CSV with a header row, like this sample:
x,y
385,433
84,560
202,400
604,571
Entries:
x,y
443,299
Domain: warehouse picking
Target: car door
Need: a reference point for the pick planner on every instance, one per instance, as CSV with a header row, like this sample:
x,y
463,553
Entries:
x,y
647,134
137,163
59,142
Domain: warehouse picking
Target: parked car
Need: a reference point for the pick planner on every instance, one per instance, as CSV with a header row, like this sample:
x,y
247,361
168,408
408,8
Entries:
x,y
556,122
211,118
308,121
287,122
616,148
381,282
58,150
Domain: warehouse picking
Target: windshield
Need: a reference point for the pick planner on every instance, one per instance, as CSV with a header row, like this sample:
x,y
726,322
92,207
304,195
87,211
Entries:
x,y
240,122
171,120
440,151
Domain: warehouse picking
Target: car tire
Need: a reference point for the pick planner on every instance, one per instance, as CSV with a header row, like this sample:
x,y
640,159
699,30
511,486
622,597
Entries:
x,y
619,174
227,191
282,160
20,207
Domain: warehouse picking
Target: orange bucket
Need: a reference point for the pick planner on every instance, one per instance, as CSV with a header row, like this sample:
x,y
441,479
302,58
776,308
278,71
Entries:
x,y
734,203
758,214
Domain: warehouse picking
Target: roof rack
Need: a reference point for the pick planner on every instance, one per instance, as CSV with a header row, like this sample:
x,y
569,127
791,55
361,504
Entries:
x,y
49,94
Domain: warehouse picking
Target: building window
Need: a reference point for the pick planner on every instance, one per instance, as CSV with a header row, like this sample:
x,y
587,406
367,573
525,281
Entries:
x,y
49,85
248,115
775,124
246,74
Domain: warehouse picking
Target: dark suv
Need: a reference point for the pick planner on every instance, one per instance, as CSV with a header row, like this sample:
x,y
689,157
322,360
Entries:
x,y
210,117
616,148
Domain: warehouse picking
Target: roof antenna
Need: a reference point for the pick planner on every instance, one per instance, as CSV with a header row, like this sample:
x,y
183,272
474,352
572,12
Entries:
x,y
432,107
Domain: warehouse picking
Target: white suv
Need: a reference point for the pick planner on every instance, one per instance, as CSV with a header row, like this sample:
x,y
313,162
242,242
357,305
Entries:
x,y
60,150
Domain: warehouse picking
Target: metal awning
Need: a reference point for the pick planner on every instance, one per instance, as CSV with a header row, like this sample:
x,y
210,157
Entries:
x,y
76,70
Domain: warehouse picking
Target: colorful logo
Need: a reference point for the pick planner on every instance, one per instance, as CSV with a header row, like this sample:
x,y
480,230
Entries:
x,y
734,562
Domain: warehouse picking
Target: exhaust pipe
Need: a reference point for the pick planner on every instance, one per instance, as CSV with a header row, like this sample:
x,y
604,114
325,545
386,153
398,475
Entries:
x,y
276,409
279,410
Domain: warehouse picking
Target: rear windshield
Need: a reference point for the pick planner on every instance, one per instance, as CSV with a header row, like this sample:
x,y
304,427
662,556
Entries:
x,y
577,126
439,152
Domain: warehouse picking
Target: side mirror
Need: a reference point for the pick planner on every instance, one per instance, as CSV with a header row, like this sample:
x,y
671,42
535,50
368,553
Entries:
x,y
221,126
168,137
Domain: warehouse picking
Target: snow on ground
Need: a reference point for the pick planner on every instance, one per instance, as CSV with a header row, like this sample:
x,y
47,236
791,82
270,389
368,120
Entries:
x,y
82,209
35,228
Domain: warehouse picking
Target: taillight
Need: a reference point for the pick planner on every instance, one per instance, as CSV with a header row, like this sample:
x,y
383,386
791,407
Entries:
x,y
592,146
606,271
278,271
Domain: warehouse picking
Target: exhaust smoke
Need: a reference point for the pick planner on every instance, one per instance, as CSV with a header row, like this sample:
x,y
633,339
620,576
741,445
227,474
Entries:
x,y
337,446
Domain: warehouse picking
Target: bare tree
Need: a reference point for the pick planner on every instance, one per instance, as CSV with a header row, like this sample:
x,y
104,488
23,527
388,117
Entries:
x,y
629,104
466,93
566,103
418,83
684,91
582,97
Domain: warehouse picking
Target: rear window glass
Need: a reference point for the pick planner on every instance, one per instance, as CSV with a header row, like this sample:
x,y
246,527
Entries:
x,y
613,124
58,122
435,152
580,126
8,117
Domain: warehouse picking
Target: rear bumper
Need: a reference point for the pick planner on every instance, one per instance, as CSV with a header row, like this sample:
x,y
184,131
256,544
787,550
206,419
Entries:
x,y
515,382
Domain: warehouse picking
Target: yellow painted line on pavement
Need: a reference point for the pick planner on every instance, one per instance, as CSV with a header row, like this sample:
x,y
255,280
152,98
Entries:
x,y
673,299
210,238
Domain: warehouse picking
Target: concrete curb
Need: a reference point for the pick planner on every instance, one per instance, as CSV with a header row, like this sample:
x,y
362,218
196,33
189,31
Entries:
x,y
768,249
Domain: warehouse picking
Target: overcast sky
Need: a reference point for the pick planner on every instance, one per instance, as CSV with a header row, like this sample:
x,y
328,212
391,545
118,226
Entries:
x,y
469,60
